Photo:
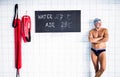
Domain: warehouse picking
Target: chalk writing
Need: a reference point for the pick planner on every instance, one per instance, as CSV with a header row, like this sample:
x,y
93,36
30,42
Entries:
x,y
57,21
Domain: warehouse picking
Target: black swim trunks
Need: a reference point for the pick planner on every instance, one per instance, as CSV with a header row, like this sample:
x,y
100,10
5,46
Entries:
x,y
98,51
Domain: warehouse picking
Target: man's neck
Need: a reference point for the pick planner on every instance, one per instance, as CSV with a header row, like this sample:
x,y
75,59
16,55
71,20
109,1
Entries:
x,y
97,29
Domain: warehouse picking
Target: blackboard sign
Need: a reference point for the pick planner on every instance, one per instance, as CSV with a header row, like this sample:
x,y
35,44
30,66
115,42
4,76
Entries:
x,y
58,21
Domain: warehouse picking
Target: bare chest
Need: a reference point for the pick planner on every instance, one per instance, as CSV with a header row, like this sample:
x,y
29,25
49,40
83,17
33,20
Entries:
x,y
98,33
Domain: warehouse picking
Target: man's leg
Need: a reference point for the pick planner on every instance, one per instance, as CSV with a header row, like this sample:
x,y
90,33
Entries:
x,y
102,59
95,61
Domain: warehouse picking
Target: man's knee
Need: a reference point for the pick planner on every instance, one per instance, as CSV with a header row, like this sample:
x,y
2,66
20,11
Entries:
x,y
103,69
96,70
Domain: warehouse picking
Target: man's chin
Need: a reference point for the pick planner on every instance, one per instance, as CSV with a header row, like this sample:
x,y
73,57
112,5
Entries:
x,y
97,27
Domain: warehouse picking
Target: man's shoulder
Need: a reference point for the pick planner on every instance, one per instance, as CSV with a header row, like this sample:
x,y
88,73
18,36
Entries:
x,y
92,30
105,29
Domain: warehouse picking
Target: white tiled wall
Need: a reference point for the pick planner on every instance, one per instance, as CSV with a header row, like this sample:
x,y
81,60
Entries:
x,y
59,54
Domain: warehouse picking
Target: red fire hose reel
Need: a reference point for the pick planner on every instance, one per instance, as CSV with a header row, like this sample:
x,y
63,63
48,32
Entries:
x,y
22,29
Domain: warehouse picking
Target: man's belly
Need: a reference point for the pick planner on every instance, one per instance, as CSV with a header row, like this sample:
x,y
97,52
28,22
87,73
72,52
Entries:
x,y
98,46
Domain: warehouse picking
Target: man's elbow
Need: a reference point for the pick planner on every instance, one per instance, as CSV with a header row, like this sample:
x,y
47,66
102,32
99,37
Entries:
x,y
92,41
106,39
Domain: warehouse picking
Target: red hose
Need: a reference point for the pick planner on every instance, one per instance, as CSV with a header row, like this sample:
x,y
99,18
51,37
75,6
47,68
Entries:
x,y
17,38
21,30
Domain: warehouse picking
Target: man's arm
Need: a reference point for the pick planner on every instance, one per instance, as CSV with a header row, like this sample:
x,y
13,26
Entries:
x,y
105,37
94,40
